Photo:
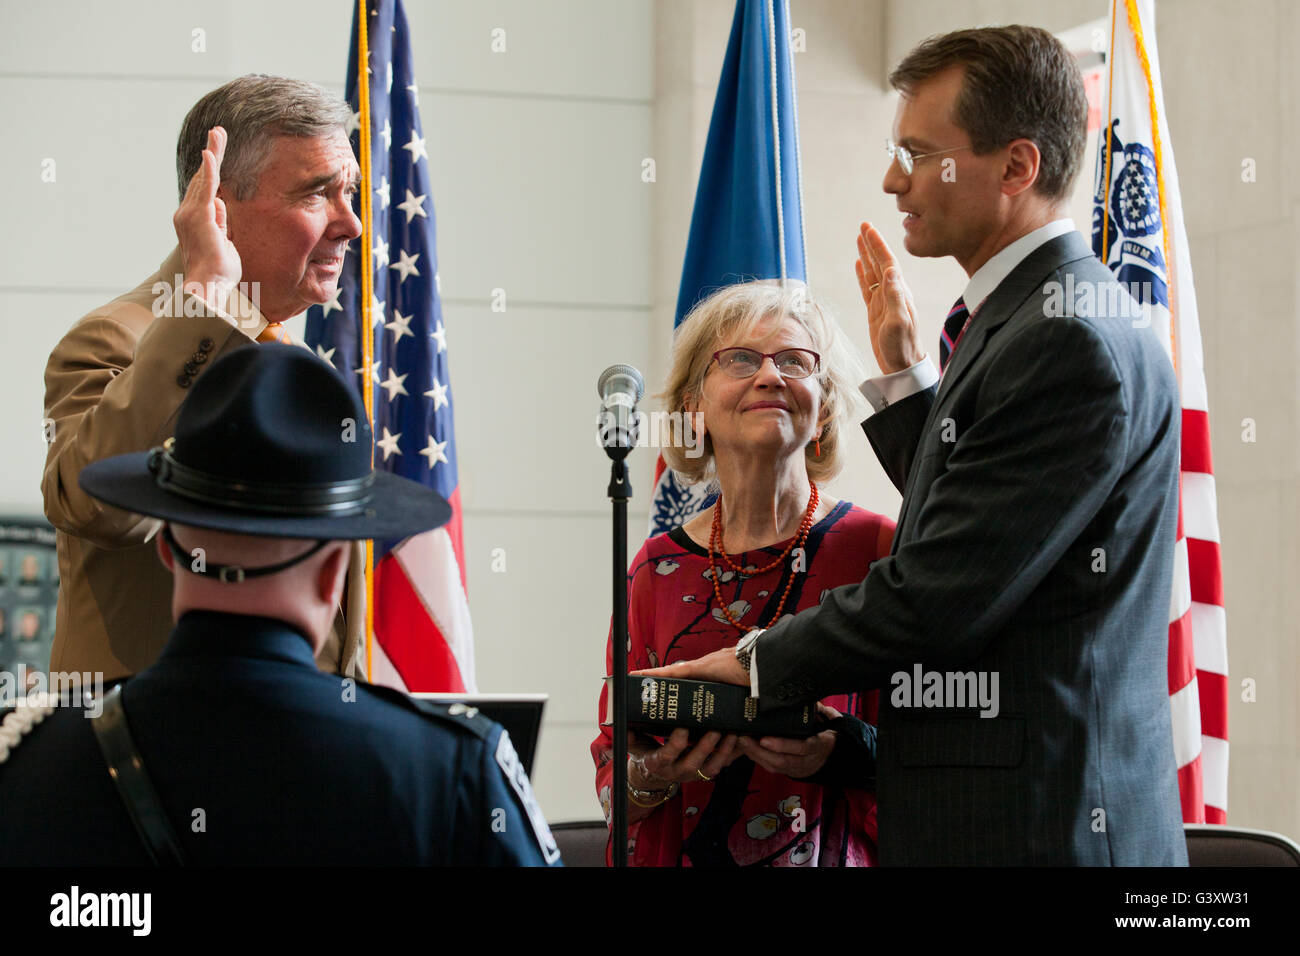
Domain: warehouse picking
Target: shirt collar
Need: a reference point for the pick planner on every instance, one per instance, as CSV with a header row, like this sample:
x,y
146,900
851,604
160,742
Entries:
x,y
216,634
990,275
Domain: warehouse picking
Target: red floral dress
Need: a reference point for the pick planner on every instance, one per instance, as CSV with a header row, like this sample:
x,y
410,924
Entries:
x,y
745,816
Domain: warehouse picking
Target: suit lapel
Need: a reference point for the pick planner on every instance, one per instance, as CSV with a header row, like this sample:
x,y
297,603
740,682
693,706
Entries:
x,y
1006,300
1009,298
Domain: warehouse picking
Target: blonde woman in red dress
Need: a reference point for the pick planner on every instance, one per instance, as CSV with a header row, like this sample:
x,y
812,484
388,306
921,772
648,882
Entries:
x,y
770,380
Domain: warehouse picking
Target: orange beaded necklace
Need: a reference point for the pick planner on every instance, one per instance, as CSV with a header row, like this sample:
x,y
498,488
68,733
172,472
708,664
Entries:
x,y
715,538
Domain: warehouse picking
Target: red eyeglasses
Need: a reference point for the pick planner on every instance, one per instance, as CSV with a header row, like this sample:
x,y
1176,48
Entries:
x,y
745,363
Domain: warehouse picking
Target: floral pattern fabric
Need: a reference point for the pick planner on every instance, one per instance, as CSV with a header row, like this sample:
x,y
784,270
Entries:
x,y
745,816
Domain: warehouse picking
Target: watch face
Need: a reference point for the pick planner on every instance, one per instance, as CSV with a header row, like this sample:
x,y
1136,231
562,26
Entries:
x,y
745,648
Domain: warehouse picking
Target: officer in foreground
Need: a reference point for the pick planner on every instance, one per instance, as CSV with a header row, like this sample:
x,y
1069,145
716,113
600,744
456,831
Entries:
x,y
249,753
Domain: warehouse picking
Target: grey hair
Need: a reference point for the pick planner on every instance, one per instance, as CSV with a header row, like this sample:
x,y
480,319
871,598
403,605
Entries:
x,y
254,109
735,310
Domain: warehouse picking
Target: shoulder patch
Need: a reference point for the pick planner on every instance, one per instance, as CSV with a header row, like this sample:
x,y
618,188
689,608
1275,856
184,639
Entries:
x,y
511,766
20,721
458,715
461,715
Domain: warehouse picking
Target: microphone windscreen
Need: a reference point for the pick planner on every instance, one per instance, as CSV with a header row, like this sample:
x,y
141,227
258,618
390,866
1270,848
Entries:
x,y
627,372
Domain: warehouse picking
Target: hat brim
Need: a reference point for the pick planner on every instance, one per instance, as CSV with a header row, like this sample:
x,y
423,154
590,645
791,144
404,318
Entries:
x,y
398,508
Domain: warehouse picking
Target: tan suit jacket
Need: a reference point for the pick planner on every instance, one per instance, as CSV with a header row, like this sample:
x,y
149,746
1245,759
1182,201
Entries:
x,y
113,385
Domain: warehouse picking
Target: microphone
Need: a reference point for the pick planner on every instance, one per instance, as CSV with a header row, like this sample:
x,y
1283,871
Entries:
x,y
620,387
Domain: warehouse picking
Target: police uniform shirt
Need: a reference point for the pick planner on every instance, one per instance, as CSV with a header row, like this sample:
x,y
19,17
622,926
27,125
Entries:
x,y
258,757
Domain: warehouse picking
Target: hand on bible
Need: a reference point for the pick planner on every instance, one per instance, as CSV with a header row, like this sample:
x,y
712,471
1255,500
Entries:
x,y
792,757
654,767
720,666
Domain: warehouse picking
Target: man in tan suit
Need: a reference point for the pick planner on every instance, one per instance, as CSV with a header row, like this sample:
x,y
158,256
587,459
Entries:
x,y
266,175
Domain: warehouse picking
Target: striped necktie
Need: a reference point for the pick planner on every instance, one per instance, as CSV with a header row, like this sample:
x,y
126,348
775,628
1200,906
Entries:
x,y
953,327
275,332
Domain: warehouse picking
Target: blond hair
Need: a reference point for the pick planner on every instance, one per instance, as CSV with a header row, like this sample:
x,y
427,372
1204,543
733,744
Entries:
x,y
737,310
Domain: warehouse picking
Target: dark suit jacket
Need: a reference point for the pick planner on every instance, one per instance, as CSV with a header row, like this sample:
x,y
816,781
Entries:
x,y
1048,451
258,757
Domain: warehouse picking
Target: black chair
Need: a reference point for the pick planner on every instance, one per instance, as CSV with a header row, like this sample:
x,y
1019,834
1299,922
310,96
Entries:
x,y
1212,845
582,843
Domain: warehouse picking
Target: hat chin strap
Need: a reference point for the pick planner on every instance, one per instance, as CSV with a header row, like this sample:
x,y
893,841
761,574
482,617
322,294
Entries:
x,y
231,573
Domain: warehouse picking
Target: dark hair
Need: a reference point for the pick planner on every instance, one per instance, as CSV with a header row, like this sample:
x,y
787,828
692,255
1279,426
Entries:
x,y
1020,82
253,110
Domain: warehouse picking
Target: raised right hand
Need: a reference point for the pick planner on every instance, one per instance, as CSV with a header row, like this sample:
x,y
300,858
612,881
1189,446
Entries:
x,y
891,315
211,259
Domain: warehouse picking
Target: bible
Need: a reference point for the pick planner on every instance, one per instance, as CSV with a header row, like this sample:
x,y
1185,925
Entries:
x,y
658,705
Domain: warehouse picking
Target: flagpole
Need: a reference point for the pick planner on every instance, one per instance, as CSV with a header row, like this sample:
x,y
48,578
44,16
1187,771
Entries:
x,y
776,137
1110,141
798,153
367,294
1135,27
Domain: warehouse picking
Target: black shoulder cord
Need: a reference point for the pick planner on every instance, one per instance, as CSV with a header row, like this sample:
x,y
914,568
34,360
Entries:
x,y
126,767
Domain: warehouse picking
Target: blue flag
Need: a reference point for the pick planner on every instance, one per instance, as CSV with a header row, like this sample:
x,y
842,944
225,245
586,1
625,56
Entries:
x,y
748,217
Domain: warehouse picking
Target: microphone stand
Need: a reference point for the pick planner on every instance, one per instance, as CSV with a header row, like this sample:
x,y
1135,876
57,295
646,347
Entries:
x,y
620,490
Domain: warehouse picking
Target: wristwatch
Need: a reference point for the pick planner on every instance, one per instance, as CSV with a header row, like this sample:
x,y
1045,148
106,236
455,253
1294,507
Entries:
x,y
745,649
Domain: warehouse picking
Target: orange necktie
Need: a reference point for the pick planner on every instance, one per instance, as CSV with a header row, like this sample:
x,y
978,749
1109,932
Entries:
x,y
275,332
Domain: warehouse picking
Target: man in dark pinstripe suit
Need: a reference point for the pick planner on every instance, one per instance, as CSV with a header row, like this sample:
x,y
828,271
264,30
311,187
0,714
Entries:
x,y
1039,475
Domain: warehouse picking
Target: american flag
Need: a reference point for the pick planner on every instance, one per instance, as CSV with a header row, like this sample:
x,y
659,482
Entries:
x,y
423,637
1138,232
